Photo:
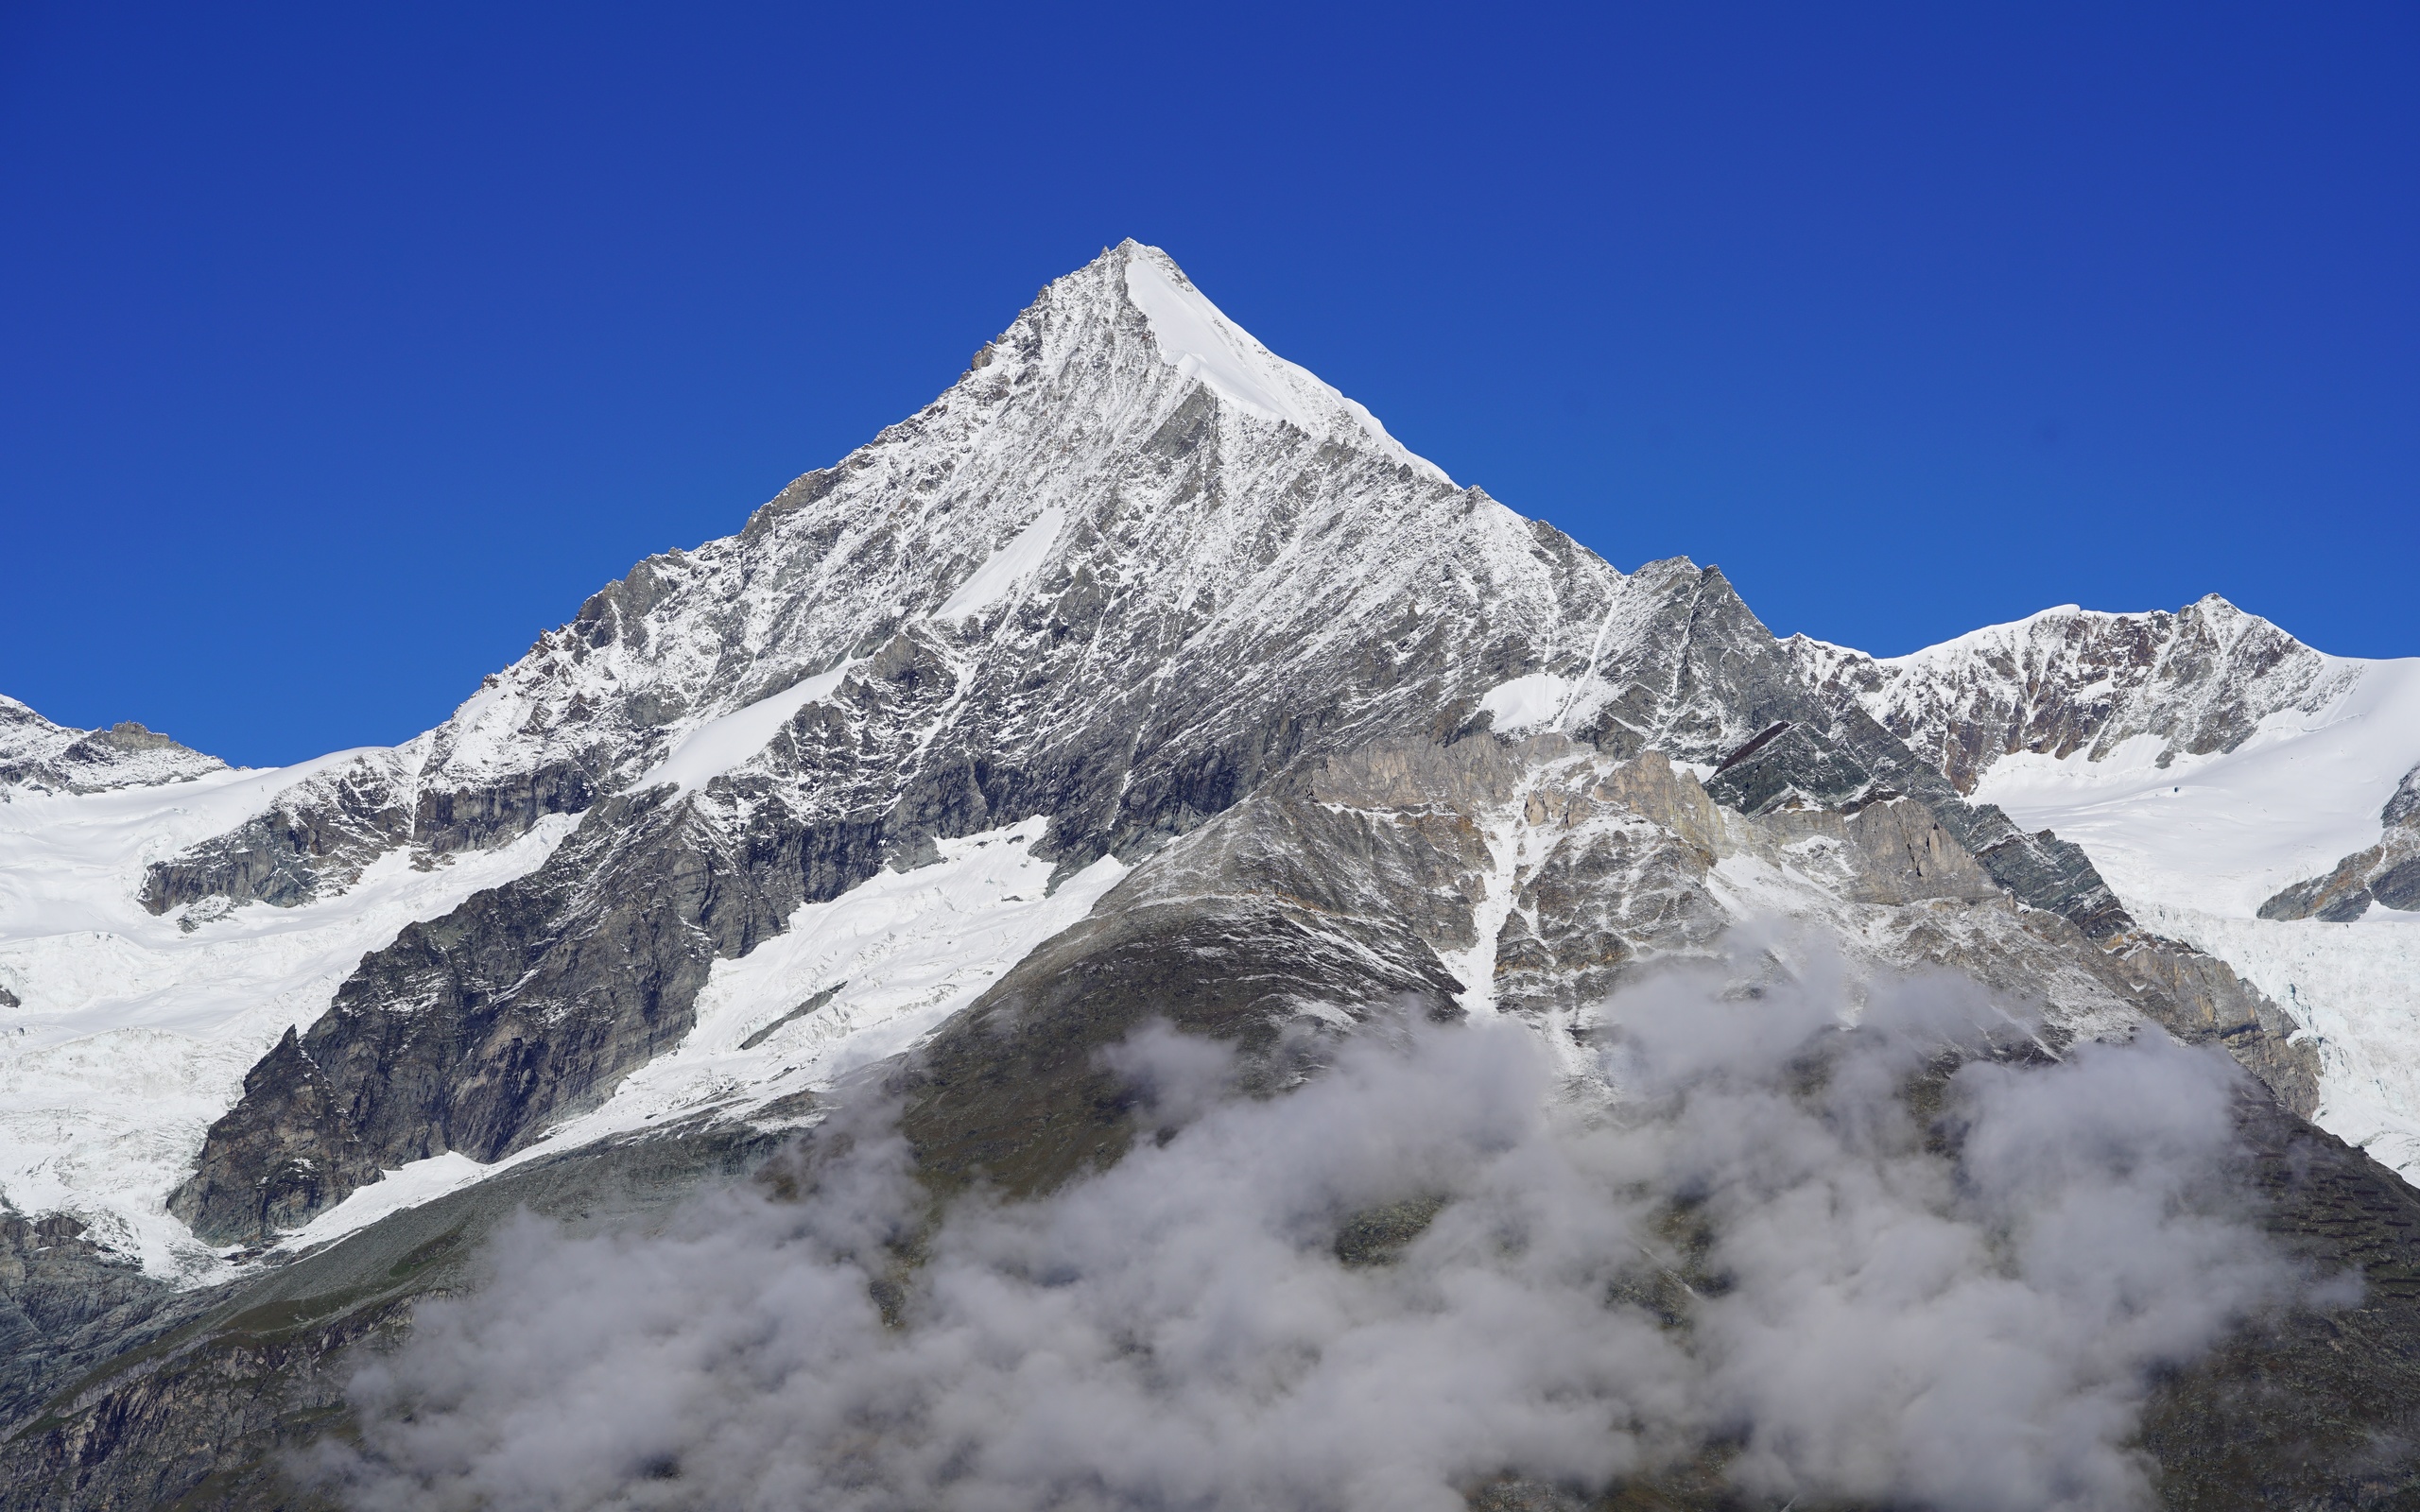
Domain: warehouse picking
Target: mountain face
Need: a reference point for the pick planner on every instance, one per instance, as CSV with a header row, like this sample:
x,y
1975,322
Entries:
x,y
2228,781
970,622
1141,679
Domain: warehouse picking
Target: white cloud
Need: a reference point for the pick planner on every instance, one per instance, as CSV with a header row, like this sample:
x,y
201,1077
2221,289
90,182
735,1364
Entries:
x,y
1877,1318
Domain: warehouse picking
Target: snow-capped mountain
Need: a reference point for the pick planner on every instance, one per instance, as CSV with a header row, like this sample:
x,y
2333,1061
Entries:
x,y
1140,677
2220,760
1130,567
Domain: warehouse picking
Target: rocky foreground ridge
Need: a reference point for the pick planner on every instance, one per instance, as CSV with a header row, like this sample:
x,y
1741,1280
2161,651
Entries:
x,y
1331,736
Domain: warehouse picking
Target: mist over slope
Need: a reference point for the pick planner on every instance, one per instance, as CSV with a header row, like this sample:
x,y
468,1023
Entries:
x,y
1420,1273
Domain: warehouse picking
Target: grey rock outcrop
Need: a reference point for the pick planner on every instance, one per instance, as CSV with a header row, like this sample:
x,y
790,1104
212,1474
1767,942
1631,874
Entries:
x,y
2402,811
2386,874
315,840
1726,691
66,1304
38,756
323,829
1530,877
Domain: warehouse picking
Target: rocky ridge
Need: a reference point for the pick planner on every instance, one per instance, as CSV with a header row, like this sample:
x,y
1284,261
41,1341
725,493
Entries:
x,y
37,756
2197,681
2386,874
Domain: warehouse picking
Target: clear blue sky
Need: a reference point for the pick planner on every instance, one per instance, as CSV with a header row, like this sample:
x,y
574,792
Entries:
x,y
343,349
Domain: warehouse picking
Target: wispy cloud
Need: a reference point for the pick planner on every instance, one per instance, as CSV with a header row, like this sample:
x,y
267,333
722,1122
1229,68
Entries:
x,y
1961,1307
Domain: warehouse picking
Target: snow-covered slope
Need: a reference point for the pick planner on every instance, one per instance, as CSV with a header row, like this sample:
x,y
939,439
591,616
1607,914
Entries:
x,y
128,1033
2224,830
2207,762
1200,341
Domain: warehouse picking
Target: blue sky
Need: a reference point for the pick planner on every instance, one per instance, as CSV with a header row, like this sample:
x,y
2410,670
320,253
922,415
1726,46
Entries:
x,y
345,349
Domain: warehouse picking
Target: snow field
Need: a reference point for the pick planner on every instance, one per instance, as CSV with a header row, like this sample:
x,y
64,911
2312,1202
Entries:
x,y
2356,988
134,1035
2223,833
898,954
2194,849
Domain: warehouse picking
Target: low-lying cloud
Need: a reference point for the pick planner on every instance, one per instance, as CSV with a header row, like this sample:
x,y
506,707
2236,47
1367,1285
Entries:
x,y
1755,1243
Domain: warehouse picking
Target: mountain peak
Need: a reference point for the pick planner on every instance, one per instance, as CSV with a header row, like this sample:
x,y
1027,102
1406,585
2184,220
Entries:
x,y
1197,339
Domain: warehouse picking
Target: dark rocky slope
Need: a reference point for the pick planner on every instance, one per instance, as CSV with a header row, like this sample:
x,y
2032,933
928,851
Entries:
x,y
204,1405
2387,873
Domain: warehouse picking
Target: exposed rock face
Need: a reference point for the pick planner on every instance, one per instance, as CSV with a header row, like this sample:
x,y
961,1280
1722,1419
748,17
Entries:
x,y
2403,809
320,830
2067,680
2387,873
1343,888
64,1301
1707,683
37,756
318,837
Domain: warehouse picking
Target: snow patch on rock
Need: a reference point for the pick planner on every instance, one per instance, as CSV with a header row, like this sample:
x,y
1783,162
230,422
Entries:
x,y
1525,703
720,744
1199,340
1007,567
